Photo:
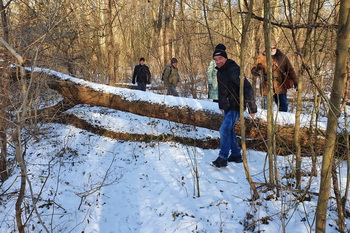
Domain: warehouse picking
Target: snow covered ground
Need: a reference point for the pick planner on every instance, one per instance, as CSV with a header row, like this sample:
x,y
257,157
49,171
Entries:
x,y
83,182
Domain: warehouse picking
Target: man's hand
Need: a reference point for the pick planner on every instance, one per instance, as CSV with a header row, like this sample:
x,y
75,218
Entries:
x,y
256,70
259,66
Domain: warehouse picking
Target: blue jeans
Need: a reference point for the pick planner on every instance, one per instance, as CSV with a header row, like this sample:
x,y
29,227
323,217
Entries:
x,y
281,101
228,139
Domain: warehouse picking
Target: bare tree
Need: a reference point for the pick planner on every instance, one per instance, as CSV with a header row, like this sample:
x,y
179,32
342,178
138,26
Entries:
x,y
333,114
245,23
347,145
4,86
270,123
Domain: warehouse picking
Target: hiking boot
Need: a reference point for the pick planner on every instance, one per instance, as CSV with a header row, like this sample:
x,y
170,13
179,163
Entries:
x,y
236,159
220,162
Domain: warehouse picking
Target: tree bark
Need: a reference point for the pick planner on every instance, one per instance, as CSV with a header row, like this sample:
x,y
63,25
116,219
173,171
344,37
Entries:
x,y
21,193
112,65
4,98
245,23
270,125
334,112
4,103
337,194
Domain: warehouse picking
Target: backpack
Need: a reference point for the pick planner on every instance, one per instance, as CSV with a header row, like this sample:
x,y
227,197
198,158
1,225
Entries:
x,y
164,72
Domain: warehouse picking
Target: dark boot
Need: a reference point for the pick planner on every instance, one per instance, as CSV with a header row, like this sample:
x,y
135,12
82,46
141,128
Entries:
x,y
236,159
220,162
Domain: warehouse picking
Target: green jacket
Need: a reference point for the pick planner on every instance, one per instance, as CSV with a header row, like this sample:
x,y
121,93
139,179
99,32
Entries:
x,y
212,81
171,76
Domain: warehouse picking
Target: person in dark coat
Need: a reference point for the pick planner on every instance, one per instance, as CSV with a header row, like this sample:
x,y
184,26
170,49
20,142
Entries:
x,y
283,75
141,75
228,77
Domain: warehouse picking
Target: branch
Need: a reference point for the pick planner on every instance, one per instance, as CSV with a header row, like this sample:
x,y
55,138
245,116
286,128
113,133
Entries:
x,y
12,51
295,26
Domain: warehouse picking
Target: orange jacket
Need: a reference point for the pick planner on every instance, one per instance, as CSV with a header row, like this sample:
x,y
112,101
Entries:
x,y
281,68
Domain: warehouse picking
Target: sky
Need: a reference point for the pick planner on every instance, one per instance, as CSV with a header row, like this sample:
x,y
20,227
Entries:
x,y
83,182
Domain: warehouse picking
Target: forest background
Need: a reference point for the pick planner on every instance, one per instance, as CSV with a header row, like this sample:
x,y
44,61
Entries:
x,y
101,41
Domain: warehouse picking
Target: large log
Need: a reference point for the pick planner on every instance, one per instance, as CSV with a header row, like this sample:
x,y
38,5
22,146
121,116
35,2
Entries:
x,y
153,105
159,106
205,143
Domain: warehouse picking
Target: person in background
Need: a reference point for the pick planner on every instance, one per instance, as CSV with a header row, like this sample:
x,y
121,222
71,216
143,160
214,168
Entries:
x,y
211,77
283,75
141,75
171,77
228,78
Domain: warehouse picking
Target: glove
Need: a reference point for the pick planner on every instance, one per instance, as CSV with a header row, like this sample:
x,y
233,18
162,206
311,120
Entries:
x,y
133,82
255,71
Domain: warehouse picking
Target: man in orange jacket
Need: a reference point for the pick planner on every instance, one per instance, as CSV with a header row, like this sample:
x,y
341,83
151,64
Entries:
x,y
283,75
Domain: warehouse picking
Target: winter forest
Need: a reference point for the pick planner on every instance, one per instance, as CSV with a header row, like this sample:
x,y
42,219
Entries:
x,y
82,150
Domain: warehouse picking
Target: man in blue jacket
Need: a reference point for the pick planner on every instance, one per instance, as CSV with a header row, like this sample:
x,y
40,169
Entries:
x,y
228,77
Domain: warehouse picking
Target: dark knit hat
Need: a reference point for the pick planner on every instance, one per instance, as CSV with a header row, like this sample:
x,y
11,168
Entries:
x,y
142,59
220,53
220,47
173,60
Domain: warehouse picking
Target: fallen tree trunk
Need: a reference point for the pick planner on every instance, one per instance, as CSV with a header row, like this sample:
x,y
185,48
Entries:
x,y
208,143
124,101
82,92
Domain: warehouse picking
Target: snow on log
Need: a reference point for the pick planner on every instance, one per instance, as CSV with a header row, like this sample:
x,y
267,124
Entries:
x,y
195,112
200,113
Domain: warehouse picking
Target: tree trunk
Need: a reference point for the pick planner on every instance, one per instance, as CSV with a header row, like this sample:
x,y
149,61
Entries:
x,y
246,23
4,83
337,194
167,31
4,86
207,24
78,92
347,143
270,125
21,193
347,151
110,40
334,112
306,53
